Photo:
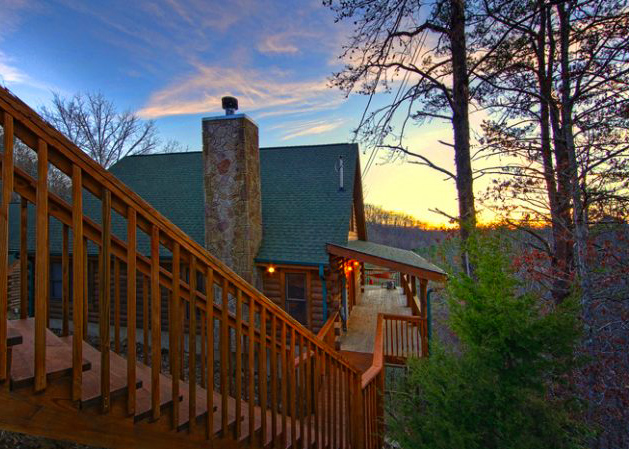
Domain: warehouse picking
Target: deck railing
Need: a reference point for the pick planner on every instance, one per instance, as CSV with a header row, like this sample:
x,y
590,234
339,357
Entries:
x,y
417,301
246,342
398,338
402,337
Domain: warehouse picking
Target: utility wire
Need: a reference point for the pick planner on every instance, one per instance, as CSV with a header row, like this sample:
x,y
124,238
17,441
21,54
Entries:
x,y
402,86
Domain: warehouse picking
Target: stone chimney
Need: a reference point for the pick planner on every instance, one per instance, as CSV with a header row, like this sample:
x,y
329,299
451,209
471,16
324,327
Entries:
x,y
231,177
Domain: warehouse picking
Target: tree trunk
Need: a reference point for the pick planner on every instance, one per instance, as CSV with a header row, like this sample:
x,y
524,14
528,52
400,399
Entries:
x,y
580,225
561,259
460,121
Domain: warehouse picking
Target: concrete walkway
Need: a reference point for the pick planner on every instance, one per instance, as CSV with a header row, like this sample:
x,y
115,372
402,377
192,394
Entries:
x,y
361,329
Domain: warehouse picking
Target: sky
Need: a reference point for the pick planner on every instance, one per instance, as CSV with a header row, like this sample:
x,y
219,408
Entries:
x,y
172,60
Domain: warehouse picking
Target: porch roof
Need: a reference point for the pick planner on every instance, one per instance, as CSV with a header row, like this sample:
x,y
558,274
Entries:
x,y
397,259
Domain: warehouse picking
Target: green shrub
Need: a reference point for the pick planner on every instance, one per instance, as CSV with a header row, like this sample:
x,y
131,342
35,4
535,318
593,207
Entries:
x,y
506,386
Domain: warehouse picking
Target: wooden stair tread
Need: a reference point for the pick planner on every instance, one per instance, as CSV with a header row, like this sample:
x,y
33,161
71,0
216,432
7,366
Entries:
x,y
200,406
143,404
58,354
278,432
244,437
201,411
90,391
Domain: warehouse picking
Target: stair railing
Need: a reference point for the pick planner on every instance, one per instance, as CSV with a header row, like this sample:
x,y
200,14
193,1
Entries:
x,y
398,338
246,344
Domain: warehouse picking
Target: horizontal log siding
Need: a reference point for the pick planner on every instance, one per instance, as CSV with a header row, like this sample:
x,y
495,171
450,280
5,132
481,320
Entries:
x,y
270,287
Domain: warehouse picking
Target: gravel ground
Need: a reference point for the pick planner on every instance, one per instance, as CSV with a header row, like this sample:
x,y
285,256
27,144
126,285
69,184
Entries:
x,y
12,440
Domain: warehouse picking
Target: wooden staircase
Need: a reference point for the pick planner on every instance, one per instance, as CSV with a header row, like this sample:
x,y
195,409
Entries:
x,y
255,377
59,369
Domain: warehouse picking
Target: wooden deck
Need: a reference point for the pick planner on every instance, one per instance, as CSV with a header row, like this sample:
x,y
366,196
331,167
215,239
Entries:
x,y
361,330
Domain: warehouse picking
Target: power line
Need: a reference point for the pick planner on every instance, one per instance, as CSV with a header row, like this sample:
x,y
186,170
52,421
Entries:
x,y
402,86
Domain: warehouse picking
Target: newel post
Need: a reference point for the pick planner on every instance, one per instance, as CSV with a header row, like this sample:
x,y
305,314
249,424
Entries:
x,y
358,414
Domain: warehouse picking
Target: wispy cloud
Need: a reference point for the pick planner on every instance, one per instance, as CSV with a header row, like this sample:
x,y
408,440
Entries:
x,y
8,72
277,43
257,90
11,74
288,42
302,128
10,14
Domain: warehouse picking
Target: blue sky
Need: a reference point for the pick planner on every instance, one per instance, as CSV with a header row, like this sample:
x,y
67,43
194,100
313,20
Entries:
x,y
172,60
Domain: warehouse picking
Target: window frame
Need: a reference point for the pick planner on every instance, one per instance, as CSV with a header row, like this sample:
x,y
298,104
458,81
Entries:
x,y
306,300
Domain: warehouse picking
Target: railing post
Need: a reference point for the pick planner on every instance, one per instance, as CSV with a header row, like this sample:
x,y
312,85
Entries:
x,y
156,334
358,414
7,189
65,281
192,346
209,316
104,300
380,401
41,266
23,258
131,307
77,282
224,354
173,332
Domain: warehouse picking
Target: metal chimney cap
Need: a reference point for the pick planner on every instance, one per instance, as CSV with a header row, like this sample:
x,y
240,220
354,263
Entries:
x,y
230,104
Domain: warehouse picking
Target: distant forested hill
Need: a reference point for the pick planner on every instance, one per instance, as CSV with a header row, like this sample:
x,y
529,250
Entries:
x,y
405,237
400,230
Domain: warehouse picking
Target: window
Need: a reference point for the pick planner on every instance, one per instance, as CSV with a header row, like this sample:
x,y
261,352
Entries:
x,y
56,284
296,301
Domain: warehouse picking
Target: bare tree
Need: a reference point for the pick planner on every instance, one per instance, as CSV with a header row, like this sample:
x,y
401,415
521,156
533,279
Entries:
x,y
25,159
558,88
557,84
174,146
419,52
96,126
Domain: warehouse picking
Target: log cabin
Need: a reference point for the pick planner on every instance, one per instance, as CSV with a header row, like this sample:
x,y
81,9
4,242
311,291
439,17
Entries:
x,y
290,220
222,363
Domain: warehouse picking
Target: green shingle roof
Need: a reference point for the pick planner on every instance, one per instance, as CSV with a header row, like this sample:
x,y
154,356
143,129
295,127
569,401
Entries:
x,y
302,207
402,256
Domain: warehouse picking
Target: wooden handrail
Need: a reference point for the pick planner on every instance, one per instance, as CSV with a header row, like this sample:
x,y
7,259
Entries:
x,y
327,332
378,355
179,285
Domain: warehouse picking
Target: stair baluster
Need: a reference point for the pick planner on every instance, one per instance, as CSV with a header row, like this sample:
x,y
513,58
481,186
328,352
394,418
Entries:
x,y
131,309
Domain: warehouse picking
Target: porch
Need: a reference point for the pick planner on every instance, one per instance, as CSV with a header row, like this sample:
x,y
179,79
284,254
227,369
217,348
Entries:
x,y
362,323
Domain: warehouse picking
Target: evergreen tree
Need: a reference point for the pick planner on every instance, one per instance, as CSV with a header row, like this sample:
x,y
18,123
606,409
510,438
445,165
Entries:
x,y
507,386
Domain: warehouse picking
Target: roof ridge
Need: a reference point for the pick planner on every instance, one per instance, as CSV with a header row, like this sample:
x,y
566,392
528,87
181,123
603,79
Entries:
x,y
160,154
180,153
310,146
